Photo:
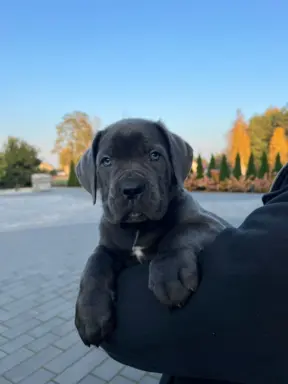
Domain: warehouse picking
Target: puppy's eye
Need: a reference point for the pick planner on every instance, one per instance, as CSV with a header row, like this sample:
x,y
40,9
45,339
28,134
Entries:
x,y
106,161
154,155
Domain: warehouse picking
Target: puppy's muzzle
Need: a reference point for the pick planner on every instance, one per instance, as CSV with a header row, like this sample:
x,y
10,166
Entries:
x,y
132,188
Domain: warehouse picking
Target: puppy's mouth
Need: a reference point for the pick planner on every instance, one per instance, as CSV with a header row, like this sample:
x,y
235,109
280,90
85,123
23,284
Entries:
x,y
134,217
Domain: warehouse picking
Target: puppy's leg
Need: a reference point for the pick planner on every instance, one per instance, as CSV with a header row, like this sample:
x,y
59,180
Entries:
x,y
94,315
173,274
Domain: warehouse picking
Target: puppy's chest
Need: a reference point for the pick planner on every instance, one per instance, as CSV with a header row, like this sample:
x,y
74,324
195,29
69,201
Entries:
x,y
142,251
143,247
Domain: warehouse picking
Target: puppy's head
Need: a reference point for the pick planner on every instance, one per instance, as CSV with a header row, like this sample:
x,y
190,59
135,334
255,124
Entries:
x,y
136,164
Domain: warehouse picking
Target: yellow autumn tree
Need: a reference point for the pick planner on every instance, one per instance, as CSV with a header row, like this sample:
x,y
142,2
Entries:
x,y
239,141
75,133
65,158
271,111
278,144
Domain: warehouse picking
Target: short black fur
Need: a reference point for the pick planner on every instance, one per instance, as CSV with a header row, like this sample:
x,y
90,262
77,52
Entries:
x,y
139,168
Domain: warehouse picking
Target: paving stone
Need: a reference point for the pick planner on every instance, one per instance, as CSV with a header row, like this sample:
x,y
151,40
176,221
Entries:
x,y
148,380
156,375
121,380
4,381
67,358
15,344
3,329
18,319
16,358
40,377
132,373
90,379
64,328
67,341
53,312
20,329
68,314
31,365
2,355
46,327
79,370
3,340
107,370
42,342
5,299
51,304
4,315
21,305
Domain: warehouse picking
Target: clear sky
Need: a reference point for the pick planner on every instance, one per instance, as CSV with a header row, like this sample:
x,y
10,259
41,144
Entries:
x,y
191,63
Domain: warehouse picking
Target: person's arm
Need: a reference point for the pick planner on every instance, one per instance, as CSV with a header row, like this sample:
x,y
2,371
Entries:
x,y
235,327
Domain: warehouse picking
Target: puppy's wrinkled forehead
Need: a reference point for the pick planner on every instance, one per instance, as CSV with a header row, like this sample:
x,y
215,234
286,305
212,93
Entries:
x,y
127,139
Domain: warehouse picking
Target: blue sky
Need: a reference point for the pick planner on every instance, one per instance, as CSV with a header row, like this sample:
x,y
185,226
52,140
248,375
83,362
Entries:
x,y
191,63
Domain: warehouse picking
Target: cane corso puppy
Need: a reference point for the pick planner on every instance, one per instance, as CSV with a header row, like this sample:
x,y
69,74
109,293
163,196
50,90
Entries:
x,y
139,167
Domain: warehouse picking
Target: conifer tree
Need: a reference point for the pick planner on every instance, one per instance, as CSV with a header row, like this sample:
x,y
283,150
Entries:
x,y
278,165
251,168
237,173
224,169
72,179
211,166
200,169
264,166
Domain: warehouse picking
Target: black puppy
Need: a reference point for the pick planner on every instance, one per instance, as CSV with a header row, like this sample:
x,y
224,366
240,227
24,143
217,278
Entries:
x,y
139,168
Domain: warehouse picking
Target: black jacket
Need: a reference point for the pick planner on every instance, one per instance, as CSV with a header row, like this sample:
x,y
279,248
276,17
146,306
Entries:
x,y
235,328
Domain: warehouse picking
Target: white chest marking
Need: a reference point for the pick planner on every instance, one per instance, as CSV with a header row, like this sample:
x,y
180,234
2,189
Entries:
x,y
138,253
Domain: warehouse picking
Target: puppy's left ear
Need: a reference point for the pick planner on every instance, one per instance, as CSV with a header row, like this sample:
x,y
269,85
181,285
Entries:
x,y
85,169
180,152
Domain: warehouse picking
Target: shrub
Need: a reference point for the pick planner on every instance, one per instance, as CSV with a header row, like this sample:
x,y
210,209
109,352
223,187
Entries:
x,y
243,184
72,179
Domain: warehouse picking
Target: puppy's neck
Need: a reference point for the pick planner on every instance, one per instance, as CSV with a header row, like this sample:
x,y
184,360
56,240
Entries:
x,y
140,238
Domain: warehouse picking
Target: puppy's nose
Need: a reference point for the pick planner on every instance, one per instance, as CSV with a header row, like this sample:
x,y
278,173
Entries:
x,y
132,188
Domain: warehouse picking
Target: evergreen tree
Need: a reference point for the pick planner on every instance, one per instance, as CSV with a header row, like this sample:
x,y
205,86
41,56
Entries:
x,y
237,173
72,180
278,165
264,166
212,165
251,168
200,170
224,169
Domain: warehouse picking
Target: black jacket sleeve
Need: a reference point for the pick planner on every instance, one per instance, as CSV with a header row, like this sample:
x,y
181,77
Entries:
x,y
235,327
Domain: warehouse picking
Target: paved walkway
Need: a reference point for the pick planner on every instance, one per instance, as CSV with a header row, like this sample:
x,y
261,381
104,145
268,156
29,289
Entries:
x,y
45,240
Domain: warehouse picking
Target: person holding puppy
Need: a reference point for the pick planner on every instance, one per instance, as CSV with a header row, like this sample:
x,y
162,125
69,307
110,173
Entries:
x,y
234,329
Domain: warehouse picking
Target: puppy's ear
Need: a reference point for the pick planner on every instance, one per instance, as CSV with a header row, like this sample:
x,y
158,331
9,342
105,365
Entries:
x,y
86,171
180,152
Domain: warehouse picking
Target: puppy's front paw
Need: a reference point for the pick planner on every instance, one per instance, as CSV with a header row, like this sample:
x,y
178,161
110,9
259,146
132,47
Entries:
x,y
94,316
173,278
